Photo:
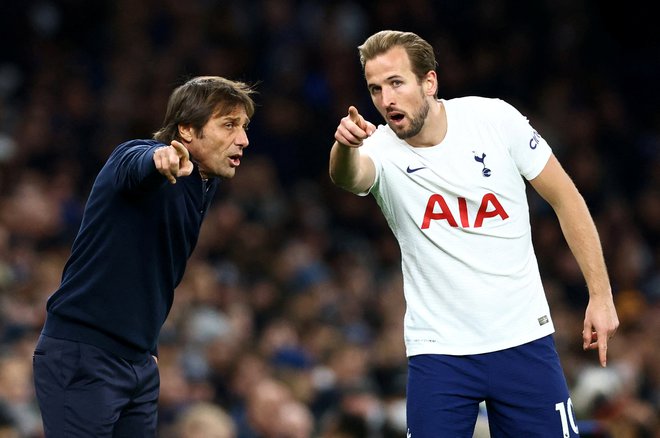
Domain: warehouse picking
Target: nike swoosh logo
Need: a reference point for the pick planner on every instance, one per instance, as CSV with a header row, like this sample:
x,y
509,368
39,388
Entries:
x,y
409,170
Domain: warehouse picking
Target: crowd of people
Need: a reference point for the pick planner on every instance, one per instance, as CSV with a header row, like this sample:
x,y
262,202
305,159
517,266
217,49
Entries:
x,y
288,322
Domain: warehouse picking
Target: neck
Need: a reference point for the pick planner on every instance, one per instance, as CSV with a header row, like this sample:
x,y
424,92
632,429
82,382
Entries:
x,y
435,127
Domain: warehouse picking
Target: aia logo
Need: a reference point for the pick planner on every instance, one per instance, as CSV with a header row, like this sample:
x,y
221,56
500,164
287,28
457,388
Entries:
x,y
485,171
437,209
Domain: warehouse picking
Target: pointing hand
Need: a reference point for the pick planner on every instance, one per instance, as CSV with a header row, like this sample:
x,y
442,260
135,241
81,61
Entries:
x,y
173,161
353,129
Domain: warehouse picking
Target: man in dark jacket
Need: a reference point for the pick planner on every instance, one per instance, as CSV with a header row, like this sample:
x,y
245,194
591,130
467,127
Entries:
x,y
95,365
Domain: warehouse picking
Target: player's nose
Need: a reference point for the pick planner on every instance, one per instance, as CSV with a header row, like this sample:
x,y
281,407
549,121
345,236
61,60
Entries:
x,y
388,97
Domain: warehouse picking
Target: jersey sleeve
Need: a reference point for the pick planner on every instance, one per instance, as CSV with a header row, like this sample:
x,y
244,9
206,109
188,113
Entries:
x,y
529,150
370,149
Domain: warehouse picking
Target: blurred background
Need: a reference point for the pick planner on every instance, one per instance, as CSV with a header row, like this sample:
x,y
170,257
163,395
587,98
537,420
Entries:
x,y
288,323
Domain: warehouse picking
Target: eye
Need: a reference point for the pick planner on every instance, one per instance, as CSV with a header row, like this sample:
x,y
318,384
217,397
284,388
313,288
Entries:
x,y
374,90
245,127
397,83
229,125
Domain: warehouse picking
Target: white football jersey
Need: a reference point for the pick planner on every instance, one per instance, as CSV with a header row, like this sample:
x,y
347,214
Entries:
x,y
460,214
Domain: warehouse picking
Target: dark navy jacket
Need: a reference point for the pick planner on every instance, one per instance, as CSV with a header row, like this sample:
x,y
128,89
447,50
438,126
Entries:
x,y
136,236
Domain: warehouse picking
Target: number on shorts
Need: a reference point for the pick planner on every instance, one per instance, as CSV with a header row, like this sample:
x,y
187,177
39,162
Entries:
x,y
566,414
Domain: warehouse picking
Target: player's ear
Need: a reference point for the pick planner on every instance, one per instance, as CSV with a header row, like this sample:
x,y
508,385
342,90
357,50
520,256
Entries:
x,y
186,132
430,83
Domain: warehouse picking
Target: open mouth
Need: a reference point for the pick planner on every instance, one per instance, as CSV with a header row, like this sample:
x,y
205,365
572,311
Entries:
x,y
395,117
235,160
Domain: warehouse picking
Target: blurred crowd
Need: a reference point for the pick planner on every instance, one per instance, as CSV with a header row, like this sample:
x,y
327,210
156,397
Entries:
x,y
288,323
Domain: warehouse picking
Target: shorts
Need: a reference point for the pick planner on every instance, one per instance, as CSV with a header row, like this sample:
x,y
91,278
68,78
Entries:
x,y
523,387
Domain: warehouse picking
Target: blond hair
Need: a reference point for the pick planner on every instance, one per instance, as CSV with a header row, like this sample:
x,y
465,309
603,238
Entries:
x,y
420,52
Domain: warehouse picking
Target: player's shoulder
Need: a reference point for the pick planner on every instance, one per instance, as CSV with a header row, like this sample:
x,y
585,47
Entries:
x,y
478,103
478,107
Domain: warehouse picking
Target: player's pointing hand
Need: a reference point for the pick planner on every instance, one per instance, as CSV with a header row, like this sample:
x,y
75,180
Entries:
x,y
600,324
353,129
173,161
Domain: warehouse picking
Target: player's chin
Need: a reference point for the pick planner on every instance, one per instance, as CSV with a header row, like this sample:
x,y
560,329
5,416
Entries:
x,y
396,126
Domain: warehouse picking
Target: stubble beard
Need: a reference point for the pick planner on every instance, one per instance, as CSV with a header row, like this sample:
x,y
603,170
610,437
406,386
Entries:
x,y
416,122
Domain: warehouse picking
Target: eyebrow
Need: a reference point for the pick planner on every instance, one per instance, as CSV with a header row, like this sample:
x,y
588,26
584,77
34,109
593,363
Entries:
x,y
235,119
387,79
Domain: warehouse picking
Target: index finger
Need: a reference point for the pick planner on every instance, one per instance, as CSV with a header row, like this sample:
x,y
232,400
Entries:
x,y
181,150
602,350
353,114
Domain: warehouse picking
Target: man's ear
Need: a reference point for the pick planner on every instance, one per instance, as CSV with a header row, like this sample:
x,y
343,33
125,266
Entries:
x,y
186,133
431,83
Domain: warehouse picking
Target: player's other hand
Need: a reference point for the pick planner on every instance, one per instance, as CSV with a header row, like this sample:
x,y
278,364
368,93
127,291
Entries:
x,y
173,161
600,324
353,129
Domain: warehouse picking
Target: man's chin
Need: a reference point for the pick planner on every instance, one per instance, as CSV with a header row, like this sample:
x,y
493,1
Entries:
x,y
405,133
402,133
228,173
397,129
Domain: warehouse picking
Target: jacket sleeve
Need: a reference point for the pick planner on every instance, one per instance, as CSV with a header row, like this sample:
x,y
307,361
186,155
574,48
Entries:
x,y
134,166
